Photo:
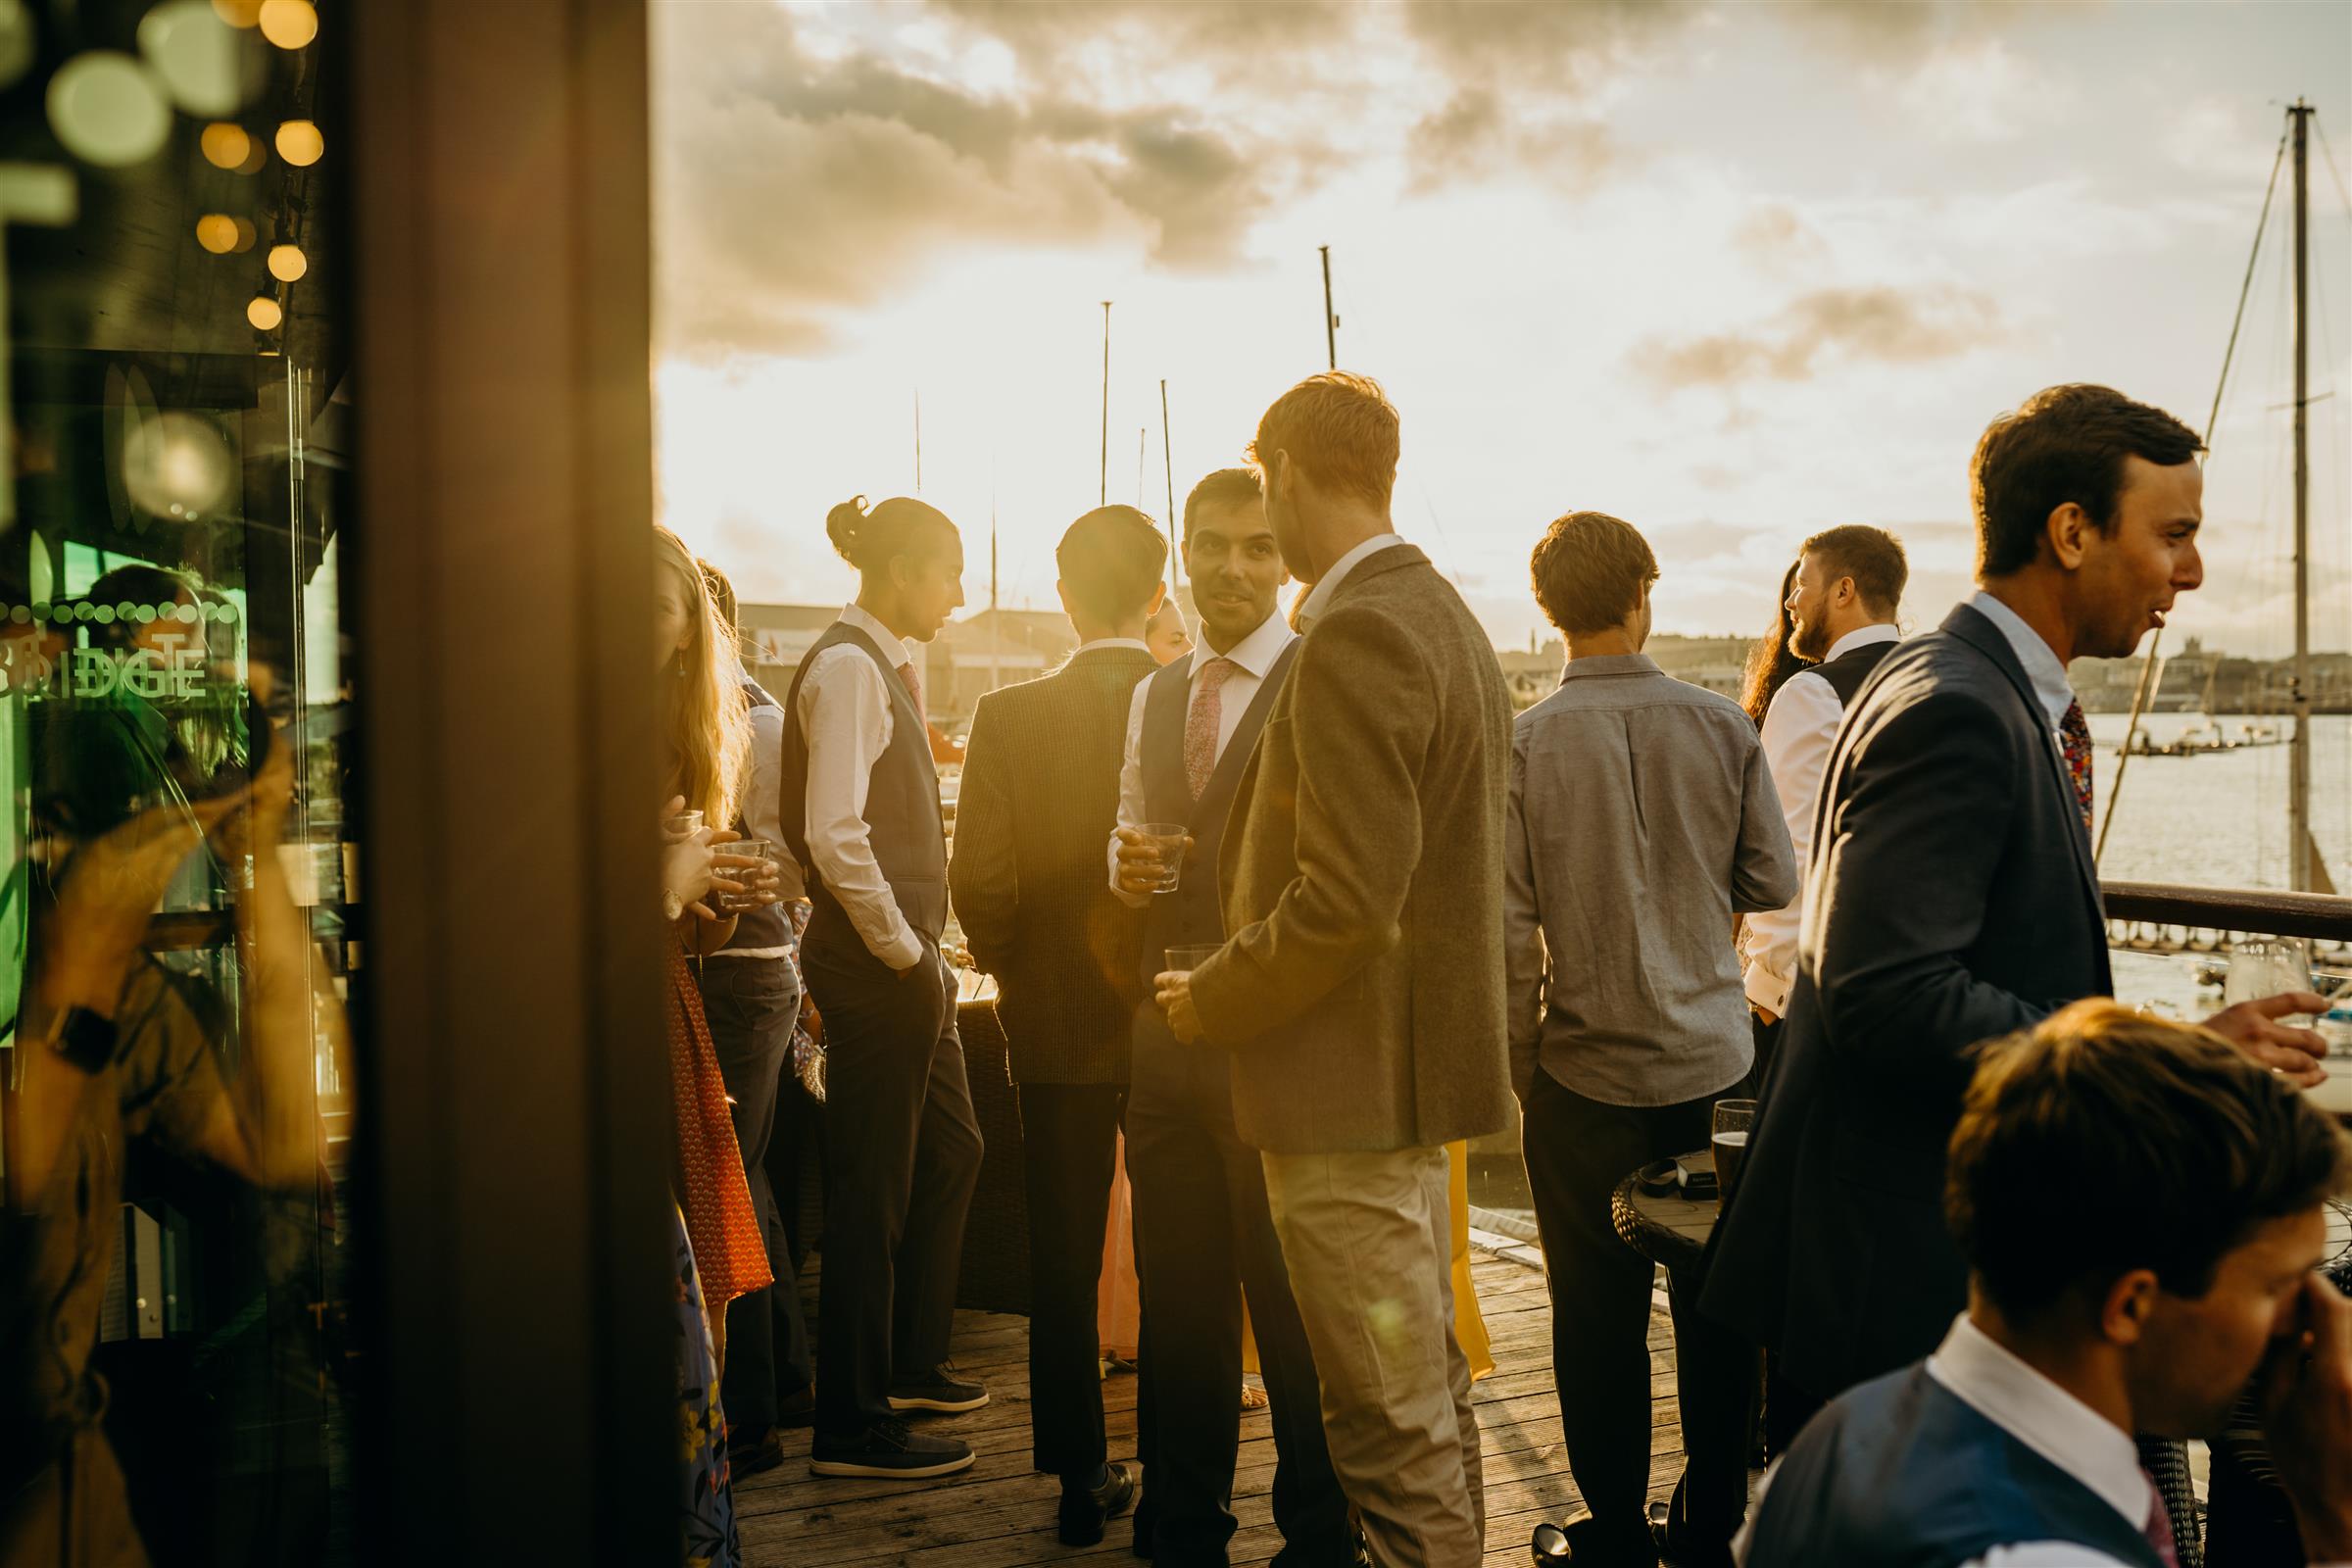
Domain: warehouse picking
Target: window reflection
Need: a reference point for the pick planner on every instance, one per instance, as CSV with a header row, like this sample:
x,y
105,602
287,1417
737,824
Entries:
x,y
176,870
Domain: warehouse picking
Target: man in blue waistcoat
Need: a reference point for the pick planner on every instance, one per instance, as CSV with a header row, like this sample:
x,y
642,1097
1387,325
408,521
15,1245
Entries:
x,y
2142,1211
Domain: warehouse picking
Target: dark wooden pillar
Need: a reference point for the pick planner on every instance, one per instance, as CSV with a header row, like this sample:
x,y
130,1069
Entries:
x,y
515,1097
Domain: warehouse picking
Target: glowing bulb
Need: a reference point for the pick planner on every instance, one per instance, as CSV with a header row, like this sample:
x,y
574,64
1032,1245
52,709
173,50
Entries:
x,y
299,142
288,24
225,146
264,312
287,264
239,12
246,236
217,232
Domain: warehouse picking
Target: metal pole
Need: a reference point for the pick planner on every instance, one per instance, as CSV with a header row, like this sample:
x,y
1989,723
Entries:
x,y
1331,321
1103,497
1167,463
2298,799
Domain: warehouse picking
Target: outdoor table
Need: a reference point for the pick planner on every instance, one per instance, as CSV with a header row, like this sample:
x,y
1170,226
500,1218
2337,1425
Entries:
x,y
1665,1228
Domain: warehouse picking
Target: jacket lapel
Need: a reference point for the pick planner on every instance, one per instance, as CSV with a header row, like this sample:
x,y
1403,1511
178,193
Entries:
x,y
1972,627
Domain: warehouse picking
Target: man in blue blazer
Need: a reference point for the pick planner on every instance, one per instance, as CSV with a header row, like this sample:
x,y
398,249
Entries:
x,y
1951,895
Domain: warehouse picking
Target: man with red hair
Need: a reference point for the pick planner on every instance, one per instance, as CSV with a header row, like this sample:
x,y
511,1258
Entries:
x,y
1362,987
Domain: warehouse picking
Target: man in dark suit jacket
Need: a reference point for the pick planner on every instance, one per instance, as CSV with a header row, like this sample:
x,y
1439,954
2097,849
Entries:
x,y
1361,991
1040,793
1952,895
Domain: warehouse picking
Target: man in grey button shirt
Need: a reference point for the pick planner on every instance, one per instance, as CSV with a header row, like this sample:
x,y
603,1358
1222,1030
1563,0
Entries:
x,y
1642,820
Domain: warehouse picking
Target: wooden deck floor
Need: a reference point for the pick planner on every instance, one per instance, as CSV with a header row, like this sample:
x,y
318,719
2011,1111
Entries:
x,y
1000,1513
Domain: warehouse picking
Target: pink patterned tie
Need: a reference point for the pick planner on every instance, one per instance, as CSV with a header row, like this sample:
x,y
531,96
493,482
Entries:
x,y
2159,1529
914,688
1202,723
2075,731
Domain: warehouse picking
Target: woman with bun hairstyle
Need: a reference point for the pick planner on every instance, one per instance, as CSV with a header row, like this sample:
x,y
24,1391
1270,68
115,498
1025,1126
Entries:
x,y
860,811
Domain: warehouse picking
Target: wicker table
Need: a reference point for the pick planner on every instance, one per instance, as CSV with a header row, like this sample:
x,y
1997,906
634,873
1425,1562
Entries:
x,y
1668,1229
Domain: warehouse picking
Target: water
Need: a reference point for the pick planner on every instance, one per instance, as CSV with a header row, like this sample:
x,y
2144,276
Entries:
x,y
2215,820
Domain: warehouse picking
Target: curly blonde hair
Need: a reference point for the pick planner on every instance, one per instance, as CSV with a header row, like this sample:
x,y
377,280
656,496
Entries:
x,y
706,716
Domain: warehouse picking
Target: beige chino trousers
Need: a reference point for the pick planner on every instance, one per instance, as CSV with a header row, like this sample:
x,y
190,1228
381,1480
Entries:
x,y
1368,1245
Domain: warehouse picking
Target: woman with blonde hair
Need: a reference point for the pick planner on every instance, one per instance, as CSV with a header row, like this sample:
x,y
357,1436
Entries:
x,y
704,732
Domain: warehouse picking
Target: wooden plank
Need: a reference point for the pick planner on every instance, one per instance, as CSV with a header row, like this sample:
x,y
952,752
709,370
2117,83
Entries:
x,y
1000,1513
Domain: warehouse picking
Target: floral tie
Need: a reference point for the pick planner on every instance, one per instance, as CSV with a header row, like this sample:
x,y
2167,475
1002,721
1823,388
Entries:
x,y
2159,1529
1200,725
2074,730
915,689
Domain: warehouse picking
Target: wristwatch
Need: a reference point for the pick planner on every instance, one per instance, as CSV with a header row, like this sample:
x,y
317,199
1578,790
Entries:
x,y
87,1041
673,907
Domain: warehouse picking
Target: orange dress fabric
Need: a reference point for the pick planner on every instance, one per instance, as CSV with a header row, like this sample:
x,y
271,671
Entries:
x,y
720,1225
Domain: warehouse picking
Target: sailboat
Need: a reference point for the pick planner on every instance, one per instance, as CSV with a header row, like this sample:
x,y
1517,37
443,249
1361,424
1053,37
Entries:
x,y
2307,872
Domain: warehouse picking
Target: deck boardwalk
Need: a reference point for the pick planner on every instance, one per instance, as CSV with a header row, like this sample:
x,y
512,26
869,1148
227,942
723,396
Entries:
x,y
1000,1513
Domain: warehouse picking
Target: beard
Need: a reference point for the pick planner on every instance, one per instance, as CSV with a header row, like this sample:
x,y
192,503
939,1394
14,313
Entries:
x,y
1808,642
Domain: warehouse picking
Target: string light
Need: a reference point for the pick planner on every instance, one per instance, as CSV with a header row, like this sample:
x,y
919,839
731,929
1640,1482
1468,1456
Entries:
x,y
288,24
298,143
265,313
287,264
225,146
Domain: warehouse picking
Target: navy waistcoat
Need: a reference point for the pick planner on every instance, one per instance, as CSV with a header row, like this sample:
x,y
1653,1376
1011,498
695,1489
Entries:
x,y
1190,916
1902,1473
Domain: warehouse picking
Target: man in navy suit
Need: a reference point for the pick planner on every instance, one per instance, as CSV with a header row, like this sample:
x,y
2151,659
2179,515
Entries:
x,y
1951,895
2013,1442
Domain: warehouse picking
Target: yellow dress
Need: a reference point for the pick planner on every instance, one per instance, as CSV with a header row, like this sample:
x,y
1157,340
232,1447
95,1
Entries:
x,y
1469,1327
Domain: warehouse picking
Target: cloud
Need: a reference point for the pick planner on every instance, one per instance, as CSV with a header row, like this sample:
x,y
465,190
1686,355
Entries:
x,y
1880,324
1475,135
1979,92
800,179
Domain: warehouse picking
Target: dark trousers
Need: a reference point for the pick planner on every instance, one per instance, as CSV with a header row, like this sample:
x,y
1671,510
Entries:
x,y
1069,1143
1202,1219
751,1005
1768,1046
1578,1150
905,1153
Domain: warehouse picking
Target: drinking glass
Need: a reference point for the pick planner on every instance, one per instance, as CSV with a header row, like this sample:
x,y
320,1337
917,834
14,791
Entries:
x,y
2264,967
684,825
1168,839
759,881
1734,1120
1184,960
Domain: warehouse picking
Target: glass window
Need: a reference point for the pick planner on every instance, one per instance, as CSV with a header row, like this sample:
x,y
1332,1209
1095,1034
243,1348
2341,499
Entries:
x,y
175,841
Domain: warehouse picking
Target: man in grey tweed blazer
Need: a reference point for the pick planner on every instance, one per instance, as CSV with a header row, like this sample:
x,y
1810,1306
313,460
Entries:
x,y
1040,796
1361,992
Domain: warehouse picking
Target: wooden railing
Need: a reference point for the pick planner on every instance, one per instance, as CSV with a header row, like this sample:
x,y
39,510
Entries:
x,y
2166,917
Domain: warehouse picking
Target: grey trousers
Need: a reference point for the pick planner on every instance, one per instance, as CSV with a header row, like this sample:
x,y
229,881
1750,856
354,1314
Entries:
x,y
1366,1239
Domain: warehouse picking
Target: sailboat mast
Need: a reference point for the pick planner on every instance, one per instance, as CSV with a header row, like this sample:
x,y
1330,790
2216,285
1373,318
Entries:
x,y
1167,464
1102,498
1331,323
2298,800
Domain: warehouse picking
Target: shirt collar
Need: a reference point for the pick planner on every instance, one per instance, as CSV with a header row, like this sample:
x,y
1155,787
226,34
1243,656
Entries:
x,y
1136,643
1318,598
2043,670
1863,637
2044,1417
1608,664
1254,653
884,637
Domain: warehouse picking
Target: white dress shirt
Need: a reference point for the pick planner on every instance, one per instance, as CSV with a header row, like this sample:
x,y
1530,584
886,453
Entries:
x,y
2044,673
1319,596
763,814
1799,728
845,712
2045,1418
1253,656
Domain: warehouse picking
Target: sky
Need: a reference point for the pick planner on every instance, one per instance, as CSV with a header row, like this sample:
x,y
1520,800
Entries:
x,y
1734,272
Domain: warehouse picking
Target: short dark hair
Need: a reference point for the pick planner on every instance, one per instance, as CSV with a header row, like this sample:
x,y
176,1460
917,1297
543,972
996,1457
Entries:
x,y
1588,571
2063,443
1227,487
1340,428
2172,1145
1871,556
1110,560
